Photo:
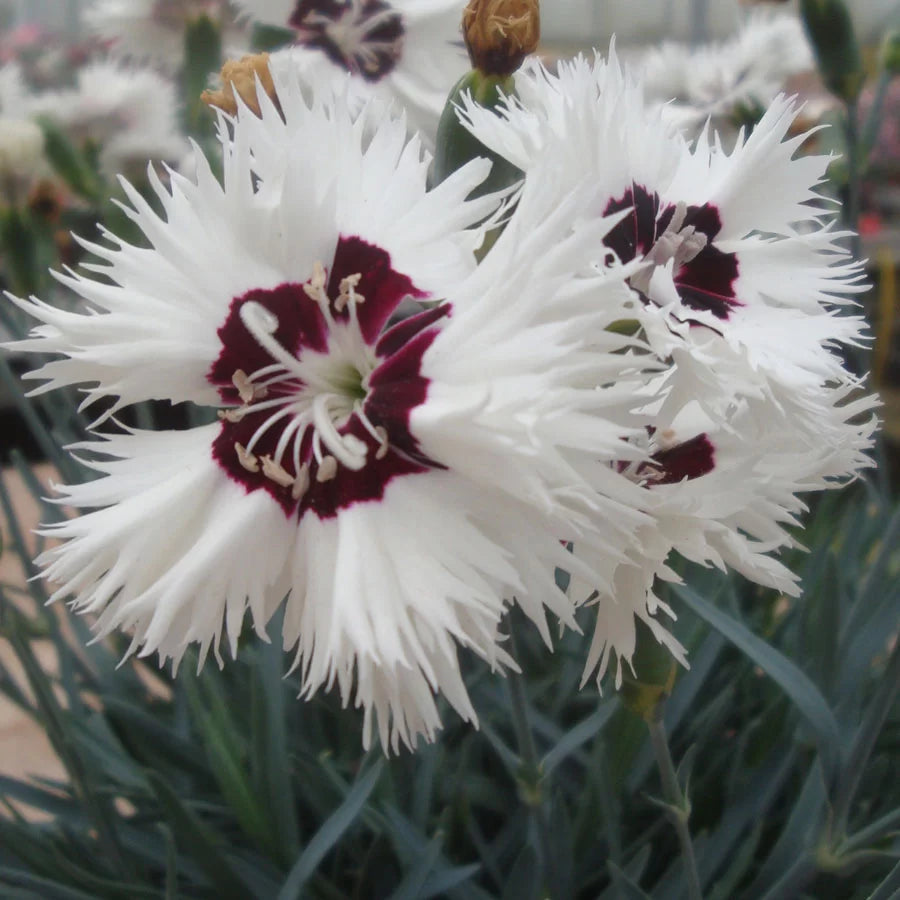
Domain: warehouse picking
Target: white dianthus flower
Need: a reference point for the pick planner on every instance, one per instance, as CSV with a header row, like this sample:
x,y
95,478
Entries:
x,y
401,482
737,281
153,31
406,51
729,80
129,112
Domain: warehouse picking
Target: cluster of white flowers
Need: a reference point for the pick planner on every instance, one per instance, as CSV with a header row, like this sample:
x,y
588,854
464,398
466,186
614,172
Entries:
x,y
647,360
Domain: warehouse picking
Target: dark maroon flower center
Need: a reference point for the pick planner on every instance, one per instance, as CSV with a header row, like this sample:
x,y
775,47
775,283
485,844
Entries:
x,y
318,391
362,36
680,462
704,276
673,462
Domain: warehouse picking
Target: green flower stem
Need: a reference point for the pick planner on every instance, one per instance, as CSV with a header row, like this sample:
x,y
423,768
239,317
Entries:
x,y
530,773
679,807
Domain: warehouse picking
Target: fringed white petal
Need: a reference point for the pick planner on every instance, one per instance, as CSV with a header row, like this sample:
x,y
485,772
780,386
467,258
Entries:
x,y
150,331
383,594
173,551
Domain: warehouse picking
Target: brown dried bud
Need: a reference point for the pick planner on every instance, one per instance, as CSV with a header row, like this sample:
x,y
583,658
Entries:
x,y
46,201
499,34
239,77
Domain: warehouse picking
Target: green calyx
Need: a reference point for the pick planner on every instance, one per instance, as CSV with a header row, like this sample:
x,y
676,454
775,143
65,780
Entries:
x,y
456,146
651,677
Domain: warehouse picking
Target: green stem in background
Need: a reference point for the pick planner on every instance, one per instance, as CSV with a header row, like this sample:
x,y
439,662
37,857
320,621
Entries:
x,y
679,807
531,781
873,120
855,164
202,59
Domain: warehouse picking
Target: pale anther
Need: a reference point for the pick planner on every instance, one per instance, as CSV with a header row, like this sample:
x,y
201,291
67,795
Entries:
x,y
348,292
275,472
315,288
301,483
232,415
327,469
247,460
247,391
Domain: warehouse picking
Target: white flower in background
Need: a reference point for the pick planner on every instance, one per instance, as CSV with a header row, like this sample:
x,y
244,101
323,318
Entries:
x,y
153,31
409,51
131,113
737,281
727,80
12,90
403,482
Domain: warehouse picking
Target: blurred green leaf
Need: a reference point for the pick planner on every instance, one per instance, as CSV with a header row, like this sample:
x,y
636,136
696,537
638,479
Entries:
x,y
889,888
274,763
330,832
202,61
584,731
627,889
411,886
805,696
227,757
204,845
43,888
70,163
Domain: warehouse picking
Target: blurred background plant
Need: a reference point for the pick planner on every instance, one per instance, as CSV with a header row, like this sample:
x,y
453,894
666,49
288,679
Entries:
x,y
220,784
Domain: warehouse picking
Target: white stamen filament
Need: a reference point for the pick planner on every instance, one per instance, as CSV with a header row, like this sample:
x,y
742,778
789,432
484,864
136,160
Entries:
x,y
379,433
308,393
350,450
262,325
286,410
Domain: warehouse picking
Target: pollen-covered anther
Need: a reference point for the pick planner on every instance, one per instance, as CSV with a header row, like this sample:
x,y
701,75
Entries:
x,y
232,415
276,472
247,460
327,469
678,244
315,287
348,292
247,391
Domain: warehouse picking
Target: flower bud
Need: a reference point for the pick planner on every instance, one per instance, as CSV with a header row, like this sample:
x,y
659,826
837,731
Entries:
x,y
499,34
239,79
21,150
889,55
830,31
